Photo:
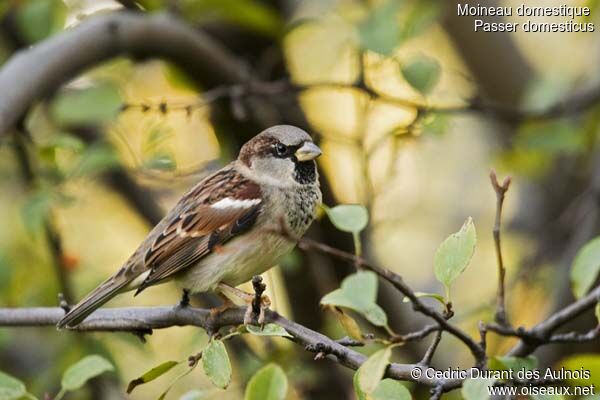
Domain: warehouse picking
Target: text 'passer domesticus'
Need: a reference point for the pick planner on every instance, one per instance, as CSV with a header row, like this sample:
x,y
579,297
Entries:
x,y
220,233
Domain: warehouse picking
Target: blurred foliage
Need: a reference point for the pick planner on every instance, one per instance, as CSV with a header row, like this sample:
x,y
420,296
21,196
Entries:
x,y
476,388
269,383
422,73
416,174
250,14
586,268
512,363
38,19
92,105
583,363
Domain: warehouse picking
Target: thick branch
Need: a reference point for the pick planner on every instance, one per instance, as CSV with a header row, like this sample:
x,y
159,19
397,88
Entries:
x,y
144,319
36,72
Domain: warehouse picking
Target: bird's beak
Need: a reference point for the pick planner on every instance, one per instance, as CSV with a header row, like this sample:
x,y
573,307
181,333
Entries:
x,y
308,151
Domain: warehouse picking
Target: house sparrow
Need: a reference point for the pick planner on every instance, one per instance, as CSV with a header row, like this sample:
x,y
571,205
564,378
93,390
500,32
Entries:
x,y
220,233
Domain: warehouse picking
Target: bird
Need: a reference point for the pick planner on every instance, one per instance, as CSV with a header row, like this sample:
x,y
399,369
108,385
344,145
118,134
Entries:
x,y
227,228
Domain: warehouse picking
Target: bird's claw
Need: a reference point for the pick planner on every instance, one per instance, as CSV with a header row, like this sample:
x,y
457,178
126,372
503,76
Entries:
x,y
251,315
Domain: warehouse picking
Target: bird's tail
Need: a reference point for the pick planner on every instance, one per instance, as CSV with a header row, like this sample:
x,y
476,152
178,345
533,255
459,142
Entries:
x,y
103,293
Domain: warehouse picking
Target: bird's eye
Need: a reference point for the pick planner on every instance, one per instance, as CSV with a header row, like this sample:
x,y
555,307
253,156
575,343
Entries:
x,y
280,149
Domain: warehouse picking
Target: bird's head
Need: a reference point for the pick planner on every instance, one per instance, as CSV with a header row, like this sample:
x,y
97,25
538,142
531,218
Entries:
x,y
282,153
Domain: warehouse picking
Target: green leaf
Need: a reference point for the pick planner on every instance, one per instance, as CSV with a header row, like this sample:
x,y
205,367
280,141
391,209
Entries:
x,y
513,363
589,362
151,375
90,106
177,379
85,369
422,73
35,211
350,325
250,14
550,137
268,330
435,124
156,137
351,218
435,296
380,31
389,389
420,16
375,315
362,286
96,159
372,370
215,362
268,383
586,267
11,388
68,142
454,254
37,19
360,395
358,293
161,162
476,389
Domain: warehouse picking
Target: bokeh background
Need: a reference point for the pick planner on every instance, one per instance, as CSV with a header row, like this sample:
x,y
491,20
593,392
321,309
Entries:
x,y
411,108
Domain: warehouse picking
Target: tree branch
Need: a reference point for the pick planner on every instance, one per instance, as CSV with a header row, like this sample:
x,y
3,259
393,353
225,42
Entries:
x,y
573,105
543,332
144,319
36,72
397,281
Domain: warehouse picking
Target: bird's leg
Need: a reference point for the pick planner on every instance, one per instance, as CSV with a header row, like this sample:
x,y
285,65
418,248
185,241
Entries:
x,y
185,299
227,304
257,303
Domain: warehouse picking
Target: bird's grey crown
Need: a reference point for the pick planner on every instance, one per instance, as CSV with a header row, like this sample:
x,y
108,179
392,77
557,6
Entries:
x,y
287,134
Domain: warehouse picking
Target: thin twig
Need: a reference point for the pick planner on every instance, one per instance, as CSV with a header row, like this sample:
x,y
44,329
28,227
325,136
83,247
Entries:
x,y
500,190
431,349
574,337
416,335
573,105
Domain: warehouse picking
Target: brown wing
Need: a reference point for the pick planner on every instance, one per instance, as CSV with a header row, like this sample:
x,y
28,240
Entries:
x,y
205,219
221,206
195,236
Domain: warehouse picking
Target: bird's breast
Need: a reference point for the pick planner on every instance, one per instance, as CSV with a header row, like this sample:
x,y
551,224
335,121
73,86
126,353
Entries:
x,y
300,207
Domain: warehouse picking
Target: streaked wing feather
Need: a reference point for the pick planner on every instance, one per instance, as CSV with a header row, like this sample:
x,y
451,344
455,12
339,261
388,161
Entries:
x,y
194,233
189,232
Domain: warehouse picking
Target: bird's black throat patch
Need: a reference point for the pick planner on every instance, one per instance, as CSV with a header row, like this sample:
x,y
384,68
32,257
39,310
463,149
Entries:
x,y
305,172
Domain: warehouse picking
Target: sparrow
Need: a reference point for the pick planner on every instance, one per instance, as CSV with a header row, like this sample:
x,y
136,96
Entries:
x,y
220,233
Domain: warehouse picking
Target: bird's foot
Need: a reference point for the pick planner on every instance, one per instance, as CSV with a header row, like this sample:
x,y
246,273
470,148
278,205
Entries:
x,y
260,302
185,299
257,302
253,315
